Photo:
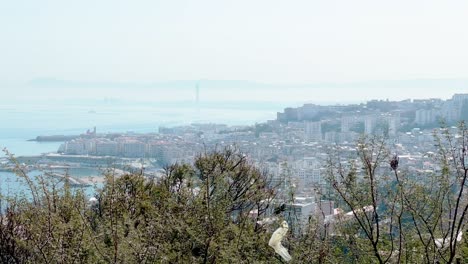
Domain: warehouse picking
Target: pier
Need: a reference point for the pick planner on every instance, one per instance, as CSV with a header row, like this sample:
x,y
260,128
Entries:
x,y
74,182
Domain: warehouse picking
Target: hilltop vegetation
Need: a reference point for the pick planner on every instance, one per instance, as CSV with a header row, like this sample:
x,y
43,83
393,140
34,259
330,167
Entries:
x,y
212,211
195,213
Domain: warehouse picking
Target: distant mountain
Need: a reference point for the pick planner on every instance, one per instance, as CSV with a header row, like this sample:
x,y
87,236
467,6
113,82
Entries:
x,y
179,84
230,84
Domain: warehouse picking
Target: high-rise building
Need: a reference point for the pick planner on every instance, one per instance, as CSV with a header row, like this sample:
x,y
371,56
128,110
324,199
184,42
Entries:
x,y
370,122
313,131
134,149
393,123
452,109
107,148
75,147
347,122
426,116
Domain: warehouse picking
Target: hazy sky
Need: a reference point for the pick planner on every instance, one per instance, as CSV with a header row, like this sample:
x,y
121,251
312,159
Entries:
x,y
269,41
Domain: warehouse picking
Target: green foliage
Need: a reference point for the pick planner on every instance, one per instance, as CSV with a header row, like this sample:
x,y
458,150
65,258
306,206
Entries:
x,y
193,214
408,212
209,212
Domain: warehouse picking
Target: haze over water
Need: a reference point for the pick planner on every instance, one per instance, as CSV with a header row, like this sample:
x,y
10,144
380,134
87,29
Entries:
x,y
125,66
21,122
66,107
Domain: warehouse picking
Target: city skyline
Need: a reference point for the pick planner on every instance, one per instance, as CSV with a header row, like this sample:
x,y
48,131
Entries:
x,y
186,131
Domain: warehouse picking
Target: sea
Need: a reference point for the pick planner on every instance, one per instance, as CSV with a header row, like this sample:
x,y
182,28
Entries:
x,y
20,122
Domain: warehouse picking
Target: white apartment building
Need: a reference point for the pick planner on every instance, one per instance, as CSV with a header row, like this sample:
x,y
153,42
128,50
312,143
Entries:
x,y
313,131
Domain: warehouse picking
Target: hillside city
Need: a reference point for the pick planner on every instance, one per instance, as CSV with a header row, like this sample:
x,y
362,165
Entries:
x,y
293,148
234,132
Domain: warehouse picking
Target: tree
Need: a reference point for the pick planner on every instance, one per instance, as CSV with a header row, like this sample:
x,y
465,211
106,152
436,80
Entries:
x,y
212,211
366,192
438,205
207,212
401,216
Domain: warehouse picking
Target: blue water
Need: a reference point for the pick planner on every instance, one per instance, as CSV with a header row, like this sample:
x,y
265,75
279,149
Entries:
x,y
12,185
20,122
